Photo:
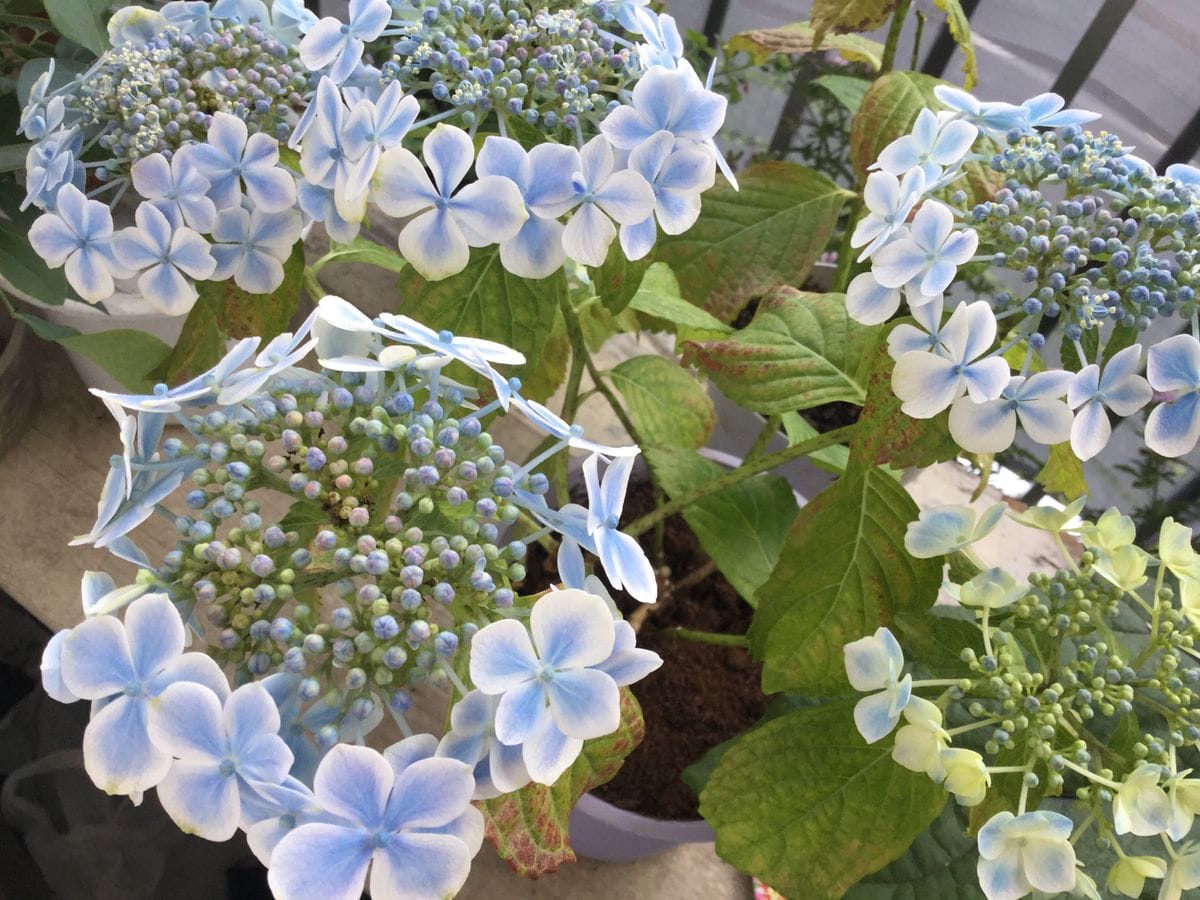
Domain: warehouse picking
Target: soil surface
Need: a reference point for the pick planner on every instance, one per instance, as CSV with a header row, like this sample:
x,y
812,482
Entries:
x,y
702,695
829,416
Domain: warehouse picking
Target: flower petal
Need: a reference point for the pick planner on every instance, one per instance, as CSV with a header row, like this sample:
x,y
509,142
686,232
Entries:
x,y
502,656
416,866
1173,429
155,633
186,723
585,703
117,752
354,783
571,629
96,660
200,800
434,245
429,793
548,752
319,861
521,712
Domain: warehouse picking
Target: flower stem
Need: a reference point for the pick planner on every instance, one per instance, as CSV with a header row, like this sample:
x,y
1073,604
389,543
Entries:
x,y
708,637
769,430
738,475
893,38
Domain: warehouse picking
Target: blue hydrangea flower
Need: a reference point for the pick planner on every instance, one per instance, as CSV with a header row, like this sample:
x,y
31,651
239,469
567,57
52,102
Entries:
x,y
551,700
624,561
543,177
40,116
635,16
177,189
571,523
191,17
930,250
498,768
889,200
323,158
932,145
102,597
51,164
551,423
666,100
338,46
1022,854
1046,111
943,529
290,19
1184,173
870,303
678,172
125,666
78,236
874,663
446,224
252,246
628,662
220,752
231,158
1173,365
372,127
994,117
199,391
281,353
602,193
925,336
167,257
405,815
664,44
271,811
320,205
928,382
135,25
51,668
1036,401
1119,388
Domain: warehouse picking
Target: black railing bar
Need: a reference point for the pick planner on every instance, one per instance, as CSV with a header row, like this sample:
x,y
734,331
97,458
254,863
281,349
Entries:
x,y
1091,47
714,21
1185,145
942,50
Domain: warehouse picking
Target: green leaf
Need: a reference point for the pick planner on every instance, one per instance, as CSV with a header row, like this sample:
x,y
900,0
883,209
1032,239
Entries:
x,y
810,808
80,21
544,380
28,274
763,236
841,16
886,435
47,331
832,459
362,250
128,356
798,38
484,300
306,517
658,299
1116,340
12,156
845,89
937,641
842,573
223,311
940,863
960,30
741,528
1063,472
529,827
619,278
888,111
668,406
801,350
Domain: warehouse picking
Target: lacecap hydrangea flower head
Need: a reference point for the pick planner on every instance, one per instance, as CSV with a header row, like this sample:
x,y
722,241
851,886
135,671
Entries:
x,y
348,538
1083,249
598,131
1082,686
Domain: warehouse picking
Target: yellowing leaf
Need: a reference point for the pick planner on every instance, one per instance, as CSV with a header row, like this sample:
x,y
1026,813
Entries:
x,y
960,30
797,38
840,16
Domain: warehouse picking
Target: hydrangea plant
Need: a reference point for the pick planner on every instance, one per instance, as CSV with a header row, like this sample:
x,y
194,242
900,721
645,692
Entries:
x,y
349,539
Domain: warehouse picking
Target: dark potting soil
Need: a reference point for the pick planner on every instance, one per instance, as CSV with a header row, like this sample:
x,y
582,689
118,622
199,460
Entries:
x,y
701,696
829,416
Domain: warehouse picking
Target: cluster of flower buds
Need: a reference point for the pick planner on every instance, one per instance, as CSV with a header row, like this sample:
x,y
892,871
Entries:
x,y
1117,253
347,538
1084,684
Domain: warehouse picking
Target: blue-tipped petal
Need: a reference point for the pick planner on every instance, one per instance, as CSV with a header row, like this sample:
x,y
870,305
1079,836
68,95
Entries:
x,y
571,629
118,754
502,657
354,783
429,793
416,865
585,703
320,861
521,711
201,800
96,660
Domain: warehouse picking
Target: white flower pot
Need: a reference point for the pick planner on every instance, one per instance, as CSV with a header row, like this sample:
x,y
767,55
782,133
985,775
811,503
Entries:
x,y
605,832
121,311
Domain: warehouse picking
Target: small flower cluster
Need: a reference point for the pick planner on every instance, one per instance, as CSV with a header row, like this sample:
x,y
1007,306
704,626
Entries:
x,y
1087,686
395,568
1116,253
191,105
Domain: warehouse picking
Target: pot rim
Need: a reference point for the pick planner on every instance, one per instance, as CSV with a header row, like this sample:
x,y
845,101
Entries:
x,y
682,831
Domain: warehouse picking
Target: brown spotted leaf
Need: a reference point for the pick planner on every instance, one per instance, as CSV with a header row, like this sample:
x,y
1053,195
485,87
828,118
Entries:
x,y
888,111
619,278
747,242
529,826
886,435
797,38
667,403
801,350
224,311
841,16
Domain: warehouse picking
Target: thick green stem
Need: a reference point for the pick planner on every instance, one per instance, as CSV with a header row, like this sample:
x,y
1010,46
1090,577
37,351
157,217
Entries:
x,y
893,38
916,54
738,475
845,252
708,637
769,430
